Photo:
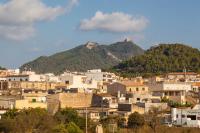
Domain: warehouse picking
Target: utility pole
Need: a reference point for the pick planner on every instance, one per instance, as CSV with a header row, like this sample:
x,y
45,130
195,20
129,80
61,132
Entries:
x,y
86,121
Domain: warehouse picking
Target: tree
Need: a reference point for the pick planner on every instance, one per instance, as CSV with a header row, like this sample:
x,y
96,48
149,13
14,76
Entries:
x,y
154,120
12,113
135,120
73,128
68,115
27,120
61,128
121,122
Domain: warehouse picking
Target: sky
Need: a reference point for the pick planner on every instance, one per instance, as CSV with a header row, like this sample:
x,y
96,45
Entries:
x,y
33,28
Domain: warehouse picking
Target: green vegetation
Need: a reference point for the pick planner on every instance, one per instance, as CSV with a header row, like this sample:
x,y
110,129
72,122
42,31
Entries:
x,y
175,104
68,121
39,121
161,59
135,121
82,58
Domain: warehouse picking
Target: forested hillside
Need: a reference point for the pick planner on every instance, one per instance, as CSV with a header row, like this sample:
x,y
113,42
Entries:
x,y
161,59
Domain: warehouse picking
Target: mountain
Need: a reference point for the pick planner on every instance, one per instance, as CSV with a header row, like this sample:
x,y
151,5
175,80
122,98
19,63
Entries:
x,y
84,57
161,59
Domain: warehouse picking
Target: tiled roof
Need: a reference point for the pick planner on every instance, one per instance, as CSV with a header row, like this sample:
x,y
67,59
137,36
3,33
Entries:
x,y
196,84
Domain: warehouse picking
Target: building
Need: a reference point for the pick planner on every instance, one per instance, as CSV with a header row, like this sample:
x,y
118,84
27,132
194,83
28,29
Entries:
x,y
104,100
6,103
186,117
127,87
20,77
196,87
95,113
175,91
73,100
149,105
182,76
78,80
98,75
35,85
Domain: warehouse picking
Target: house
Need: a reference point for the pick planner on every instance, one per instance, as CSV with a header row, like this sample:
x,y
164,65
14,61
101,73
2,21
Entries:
x,y
96,113
25,104
32,99
6,103
78,80
127,108
127,87
175,91
186,117
98,75
35,85
104,100
149,105
196,87
182,76
133,91
20,77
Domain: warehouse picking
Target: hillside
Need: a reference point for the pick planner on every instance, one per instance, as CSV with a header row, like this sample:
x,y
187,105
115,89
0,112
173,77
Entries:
x,y
84,57
161,59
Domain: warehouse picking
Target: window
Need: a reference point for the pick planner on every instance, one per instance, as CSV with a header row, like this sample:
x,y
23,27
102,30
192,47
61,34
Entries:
x,y
192,117
130,90
143,89
177,116
138,99
183,116
33,100
171,93
137,89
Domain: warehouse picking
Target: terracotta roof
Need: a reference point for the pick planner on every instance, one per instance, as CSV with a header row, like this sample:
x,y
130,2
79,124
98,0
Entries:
x,y
196,84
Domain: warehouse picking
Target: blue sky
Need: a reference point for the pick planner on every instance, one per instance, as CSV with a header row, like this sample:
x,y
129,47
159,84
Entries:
x,y
57,25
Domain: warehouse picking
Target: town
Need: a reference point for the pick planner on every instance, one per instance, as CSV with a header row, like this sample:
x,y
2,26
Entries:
x,y
99,66
96,94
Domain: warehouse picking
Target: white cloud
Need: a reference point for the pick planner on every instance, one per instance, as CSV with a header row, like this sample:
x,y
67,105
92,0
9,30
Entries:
x,y
17,17
114,22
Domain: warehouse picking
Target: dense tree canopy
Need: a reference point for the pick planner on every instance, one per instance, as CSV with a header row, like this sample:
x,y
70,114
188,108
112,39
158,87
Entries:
x,y
135,120
161,59
39,121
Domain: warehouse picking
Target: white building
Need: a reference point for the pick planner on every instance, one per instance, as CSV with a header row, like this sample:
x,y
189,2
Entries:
x,y
98,75
186,117
77,80
33,77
